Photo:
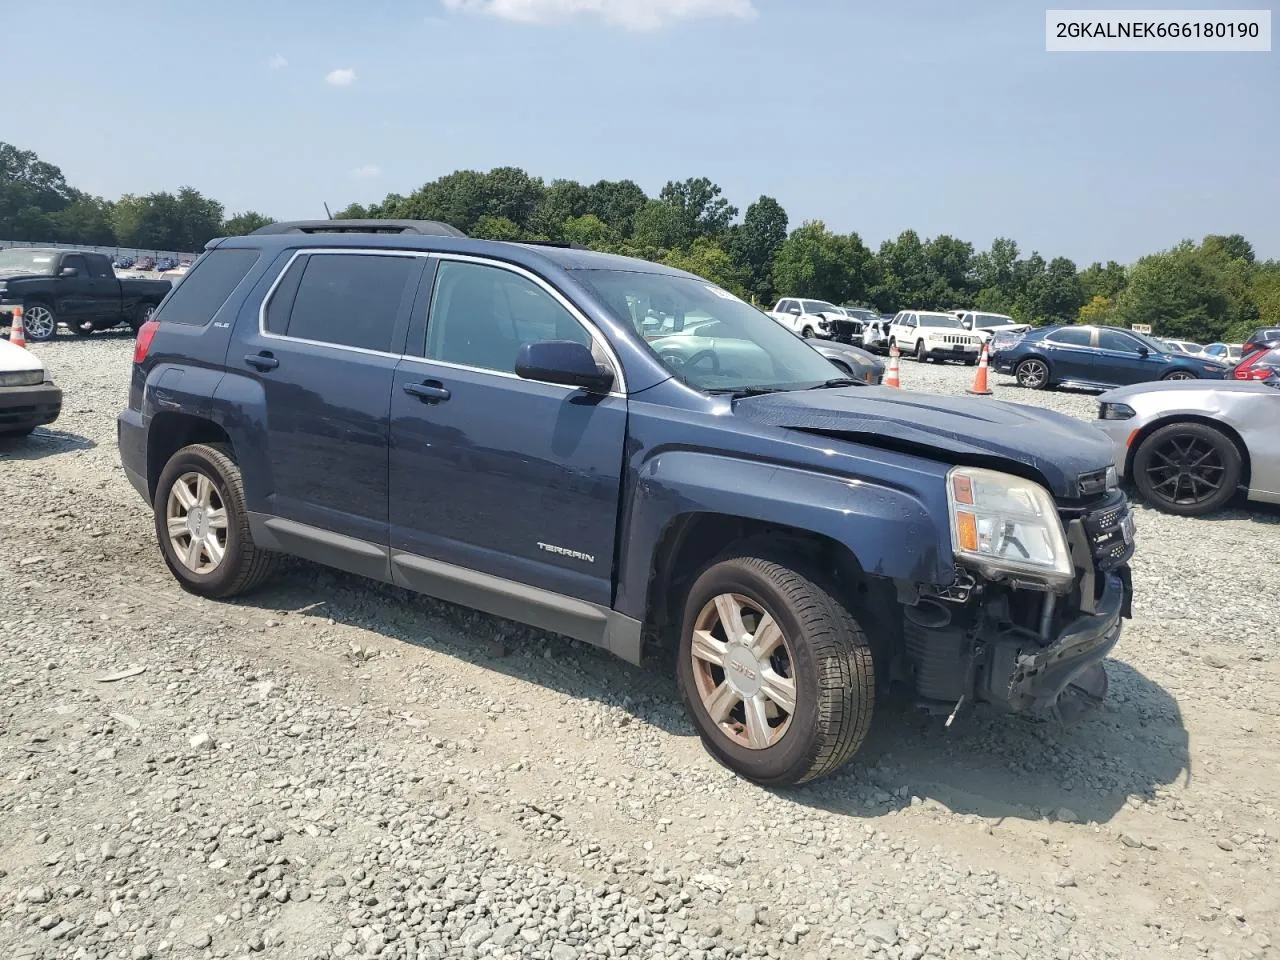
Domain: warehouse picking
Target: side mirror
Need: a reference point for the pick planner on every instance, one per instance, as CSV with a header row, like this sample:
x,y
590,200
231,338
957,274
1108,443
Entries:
x,y
1143,352
565,362
68,272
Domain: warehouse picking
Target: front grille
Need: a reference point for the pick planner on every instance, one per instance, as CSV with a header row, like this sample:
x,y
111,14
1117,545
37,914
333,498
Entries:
x,y
1109,528
957,339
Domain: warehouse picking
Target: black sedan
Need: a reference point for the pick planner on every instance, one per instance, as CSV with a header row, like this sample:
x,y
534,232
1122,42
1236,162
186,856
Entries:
x,y
1095,357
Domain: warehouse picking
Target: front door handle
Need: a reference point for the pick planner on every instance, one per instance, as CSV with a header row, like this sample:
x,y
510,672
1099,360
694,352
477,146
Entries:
x,y
262,361
433,391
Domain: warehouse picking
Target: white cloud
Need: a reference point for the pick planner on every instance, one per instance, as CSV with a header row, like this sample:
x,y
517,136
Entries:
x,y
277,62
631,14
343,77
367,172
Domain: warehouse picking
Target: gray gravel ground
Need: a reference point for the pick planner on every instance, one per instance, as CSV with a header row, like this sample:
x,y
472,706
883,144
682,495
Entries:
x,y
333,768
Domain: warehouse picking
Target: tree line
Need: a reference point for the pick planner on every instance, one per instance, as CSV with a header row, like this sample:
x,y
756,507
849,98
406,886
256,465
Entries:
x,y
1215,289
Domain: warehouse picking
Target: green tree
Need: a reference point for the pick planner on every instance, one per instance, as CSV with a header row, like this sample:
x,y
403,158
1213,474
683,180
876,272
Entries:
x,y
85,220
31,192
709,260
1098,310
617,203
755,243
489,227
1179,293
658,226
995,276
1053,294
245,223
1103,281
703,211
904,280
1265,289
590,231
950,270
814,262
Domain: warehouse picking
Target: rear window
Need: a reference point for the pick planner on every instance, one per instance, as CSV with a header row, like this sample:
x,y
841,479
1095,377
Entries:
x,y
350,299
202,292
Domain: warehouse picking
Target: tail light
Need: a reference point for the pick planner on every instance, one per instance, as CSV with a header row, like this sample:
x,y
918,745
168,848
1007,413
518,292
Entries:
x,y
146,333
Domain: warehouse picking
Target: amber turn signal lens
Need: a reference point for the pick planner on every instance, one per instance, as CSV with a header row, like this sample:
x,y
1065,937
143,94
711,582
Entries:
x,y
967,528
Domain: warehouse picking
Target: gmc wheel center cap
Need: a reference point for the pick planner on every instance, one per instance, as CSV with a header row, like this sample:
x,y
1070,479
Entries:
x,y
195,522
742,671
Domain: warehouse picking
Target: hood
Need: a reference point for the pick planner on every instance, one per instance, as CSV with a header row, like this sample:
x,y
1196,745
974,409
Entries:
x,y
14,359
1048,446
1125,394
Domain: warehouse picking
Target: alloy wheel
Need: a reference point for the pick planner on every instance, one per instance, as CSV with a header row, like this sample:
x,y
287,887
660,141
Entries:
x,y
1186,470
1180,375
196,519
1033,374
743,671
38,322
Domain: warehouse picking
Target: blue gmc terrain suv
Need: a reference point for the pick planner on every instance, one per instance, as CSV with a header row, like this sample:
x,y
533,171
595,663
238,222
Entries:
x,y
626,454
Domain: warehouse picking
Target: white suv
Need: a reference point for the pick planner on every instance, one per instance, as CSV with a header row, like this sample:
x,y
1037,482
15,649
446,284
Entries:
x,y
934,336
987,325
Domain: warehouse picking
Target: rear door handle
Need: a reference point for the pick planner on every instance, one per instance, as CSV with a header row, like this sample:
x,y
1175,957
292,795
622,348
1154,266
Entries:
x,y
433,391
262,361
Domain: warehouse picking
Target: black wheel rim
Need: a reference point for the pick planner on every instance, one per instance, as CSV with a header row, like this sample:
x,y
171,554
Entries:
x,y
1186,470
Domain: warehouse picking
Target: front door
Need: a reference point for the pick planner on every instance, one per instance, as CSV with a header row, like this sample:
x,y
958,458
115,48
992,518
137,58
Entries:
x,y
330,337
514,479
1120,360
74,301
1070,353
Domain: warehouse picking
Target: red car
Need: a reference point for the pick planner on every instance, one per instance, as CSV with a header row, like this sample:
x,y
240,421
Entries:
x,y
1260,364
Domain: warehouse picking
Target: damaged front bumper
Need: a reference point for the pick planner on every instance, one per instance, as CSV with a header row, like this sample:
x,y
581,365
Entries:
x,y
1027,678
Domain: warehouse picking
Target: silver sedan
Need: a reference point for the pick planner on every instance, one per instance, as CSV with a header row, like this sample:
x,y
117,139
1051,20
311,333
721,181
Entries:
x,y
1189,446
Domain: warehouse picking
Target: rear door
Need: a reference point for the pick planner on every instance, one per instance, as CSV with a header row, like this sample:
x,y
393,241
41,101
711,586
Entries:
x,y
326,345
1070,353
511,478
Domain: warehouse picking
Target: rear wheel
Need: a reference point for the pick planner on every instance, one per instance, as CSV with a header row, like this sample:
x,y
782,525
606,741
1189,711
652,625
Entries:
x,y
141,314
203,526
776,674
1189,469
39,322
1032,373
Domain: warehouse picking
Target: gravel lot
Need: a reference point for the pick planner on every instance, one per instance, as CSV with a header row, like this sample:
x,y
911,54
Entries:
x,y
333,768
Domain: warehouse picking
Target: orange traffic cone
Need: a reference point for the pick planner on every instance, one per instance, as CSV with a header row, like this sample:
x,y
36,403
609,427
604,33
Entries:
x,y
891,378
17,336
980,387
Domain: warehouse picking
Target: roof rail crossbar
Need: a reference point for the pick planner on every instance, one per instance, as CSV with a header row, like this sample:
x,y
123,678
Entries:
x,y
431,228
564,244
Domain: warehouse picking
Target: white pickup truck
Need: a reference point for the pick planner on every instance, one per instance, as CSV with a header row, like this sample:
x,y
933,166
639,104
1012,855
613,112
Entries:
x,y
987,325
817,318
934,336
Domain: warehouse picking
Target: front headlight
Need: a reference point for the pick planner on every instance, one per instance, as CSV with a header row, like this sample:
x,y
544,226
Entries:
x,y
1004,524
1116,411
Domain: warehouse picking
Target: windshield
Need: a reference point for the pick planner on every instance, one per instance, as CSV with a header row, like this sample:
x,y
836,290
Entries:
x,y
992,320
1151,343
706,336
940,320
820,306
17,262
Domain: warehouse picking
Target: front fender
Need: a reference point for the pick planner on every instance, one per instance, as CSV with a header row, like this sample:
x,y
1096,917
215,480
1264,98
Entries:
x,y
892,530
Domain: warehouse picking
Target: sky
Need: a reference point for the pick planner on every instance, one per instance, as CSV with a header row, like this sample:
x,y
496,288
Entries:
x,y
874,117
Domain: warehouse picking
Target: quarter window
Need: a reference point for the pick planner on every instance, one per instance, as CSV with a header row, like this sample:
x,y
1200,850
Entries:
x,y
349,300
203,291
482,315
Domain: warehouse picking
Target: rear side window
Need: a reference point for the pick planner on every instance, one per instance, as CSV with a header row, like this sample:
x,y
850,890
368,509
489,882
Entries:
x,y
350,299
202,292
100,267
1079,337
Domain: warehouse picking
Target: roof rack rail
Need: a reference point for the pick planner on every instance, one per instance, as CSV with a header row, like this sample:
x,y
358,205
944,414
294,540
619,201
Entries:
x,y
564,244
431,228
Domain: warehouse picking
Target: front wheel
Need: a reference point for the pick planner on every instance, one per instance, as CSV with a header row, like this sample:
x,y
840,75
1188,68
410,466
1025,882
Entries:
x,y
807,333
774,671
1032,373
203,526
921,353
1188,469
39,323
1179,375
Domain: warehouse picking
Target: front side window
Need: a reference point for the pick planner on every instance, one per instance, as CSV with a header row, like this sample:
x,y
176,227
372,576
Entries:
x,y
481,315
349,299
1120,342
710,339
76,262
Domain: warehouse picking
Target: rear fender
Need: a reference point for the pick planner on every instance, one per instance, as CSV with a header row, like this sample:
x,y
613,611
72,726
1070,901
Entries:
x,y
892,531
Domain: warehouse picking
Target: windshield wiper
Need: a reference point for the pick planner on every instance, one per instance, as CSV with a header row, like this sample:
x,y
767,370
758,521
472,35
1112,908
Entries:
x,y
836,382
749,391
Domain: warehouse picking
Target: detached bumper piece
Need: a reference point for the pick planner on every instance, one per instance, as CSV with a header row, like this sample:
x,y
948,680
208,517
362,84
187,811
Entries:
x,y
22,408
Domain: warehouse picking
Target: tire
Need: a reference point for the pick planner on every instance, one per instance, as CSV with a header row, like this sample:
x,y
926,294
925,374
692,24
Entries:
x,y
821,649
243,565
1187,469
1180,375
807,333
141,314
16,433
1032,373
922,355
39,323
